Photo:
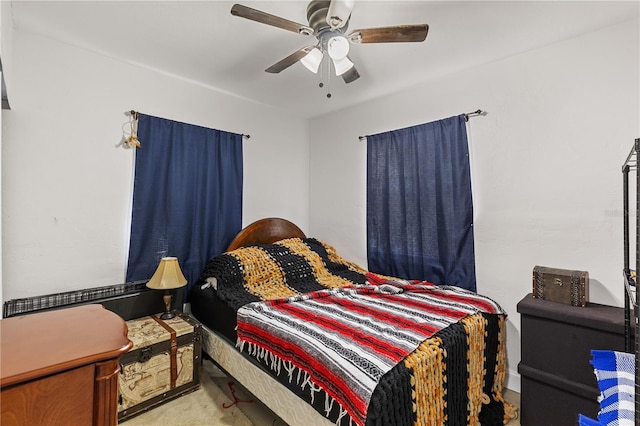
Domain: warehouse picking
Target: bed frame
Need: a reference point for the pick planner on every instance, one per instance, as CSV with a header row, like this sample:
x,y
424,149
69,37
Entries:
x,y
269,391
265,231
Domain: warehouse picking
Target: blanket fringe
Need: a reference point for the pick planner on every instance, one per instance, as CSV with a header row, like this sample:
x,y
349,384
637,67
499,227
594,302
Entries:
x,y
313,389
302,379
288,365
328,406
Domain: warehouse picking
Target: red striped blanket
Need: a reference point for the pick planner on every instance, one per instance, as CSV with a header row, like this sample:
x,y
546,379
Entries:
x,y
345,339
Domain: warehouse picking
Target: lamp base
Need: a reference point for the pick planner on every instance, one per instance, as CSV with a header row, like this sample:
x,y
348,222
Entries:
x,y
167,306
167,315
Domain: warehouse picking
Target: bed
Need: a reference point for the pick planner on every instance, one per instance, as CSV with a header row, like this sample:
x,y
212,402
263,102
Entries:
x,y
321,341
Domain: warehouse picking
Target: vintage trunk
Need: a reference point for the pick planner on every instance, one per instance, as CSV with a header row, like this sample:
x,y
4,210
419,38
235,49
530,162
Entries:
x,y
566,286
163,364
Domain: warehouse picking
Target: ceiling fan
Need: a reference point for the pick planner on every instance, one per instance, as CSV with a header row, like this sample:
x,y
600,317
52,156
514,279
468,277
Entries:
x,y
328,22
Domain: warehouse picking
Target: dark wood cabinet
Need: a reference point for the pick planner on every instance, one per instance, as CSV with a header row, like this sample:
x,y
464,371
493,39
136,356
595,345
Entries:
x,y
61,367
557,379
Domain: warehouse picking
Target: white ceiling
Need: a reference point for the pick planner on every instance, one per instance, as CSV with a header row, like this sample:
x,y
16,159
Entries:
x,y
202,42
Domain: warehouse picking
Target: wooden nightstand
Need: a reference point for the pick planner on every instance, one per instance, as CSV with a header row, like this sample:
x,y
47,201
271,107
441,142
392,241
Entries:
x,y
163,364
60,367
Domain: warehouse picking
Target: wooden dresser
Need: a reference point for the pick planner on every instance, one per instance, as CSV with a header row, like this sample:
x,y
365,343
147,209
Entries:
x,y
61,367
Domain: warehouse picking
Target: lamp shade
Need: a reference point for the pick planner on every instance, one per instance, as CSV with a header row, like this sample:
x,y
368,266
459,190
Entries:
x,y
168,275
312,60
342,65
338,47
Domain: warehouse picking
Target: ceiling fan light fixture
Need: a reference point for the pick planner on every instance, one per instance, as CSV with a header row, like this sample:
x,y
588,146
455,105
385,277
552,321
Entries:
x,y
312,60
338,47
342,65
339,13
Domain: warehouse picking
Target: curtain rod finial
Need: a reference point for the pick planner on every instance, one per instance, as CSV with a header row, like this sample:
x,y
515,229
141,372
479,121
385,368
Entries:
x,y
474,113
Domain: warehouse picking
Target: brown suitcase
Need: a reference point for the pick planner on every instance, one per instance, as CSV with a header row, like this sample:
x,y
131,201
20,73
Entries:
x,y
163,364
567,286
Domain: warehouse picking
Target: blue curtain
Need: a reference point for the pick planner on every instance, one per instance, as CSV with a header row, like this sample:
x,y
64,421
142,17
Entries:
x,y
187,196
419,205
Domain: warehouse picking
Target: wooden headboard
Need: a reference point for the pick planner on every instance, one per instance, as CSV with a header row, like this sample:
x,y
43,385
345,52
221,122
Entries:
x,y
266,231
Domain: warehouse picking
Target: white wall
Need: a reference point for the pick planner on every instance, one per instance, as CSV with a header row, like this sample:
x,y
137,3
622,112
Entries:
x,y
6,45
5,59
67,182
546,163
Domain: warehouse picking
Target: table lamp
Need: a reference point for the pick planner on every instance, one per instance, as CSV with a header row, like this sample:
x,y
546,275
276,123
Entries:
x,y
167,277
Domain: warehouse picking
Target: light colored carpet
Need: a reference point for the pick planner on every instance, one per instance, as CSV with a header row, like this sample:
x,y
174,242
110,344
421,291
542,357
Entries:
x,y
202,407
206,406
514,398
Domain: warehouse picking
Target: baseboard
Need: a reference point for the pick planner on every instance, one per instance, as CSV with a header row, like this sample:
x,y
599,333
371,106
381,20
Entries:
x,y
512,381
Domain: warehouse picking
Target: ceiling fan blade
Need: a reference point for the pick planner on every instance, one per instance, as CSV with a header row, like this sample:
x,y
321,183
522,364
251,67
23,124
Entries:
x,y
289,60
266,18
396,34
351,75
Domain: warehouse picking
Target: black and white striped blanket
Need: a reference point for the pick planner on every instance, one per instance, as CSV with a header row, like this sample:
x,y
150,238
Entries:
x,y
345,339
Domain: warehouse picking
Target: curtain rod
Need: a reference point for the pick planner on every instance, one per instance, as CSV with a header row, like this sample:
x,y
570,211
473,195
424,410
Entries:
x,y
473,114
135,117
466,118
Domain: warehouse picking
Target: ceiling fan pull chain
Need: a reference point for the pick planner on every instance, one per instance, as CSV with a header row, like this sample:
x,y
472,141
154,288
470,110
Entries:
x,y
328,79
321,84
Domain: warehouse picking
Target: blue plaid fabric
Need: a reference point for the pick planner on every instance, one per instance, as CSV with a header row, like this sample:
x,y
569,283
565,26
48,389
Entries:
x,y
615,372
587,421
